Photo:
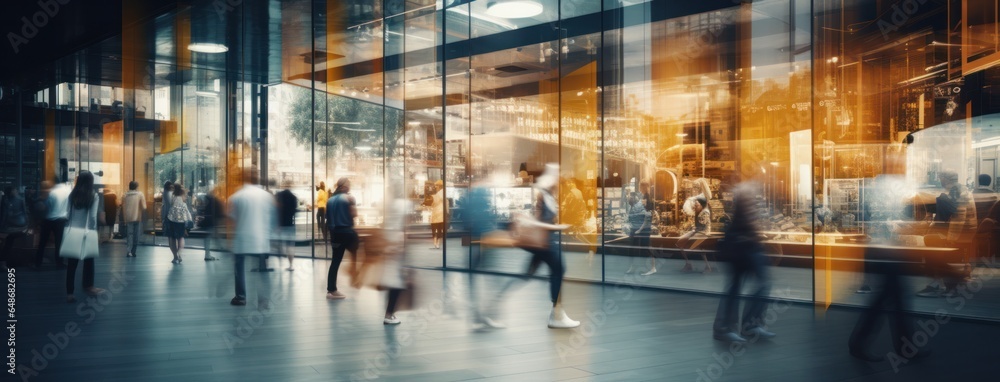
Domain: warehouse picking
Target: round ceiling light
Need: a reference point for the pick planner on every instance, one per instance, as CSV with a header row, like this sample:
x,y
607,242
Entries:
x,y
514,9
207,47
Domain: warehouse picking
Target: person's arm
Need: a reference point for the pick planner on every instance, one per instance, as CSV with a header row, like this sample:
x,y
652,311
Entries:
x,y
352,206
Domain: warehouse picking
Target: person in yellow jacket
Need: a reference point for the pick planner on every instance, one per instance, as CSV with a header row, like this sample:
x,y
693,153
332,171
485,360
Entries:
x,y
321,198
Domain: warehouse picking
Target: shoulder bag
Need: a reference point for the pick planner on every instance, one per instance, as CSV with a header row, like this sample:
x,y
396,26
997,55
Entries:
x,y
80,242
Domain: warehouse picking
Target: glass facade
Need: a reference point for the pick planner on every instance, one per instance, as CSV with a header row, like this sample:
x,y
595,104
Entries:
x,y
644,104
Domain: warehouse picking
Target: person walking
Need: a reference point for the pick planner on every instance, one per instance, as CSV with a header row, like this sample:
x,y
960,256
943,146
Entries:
x,y
254,215
744,252
341,211
886,203
288,206
13,220
394,255
321,200
56,205
639,221
546,212
133,207
212,216
437,214
85,211
179,219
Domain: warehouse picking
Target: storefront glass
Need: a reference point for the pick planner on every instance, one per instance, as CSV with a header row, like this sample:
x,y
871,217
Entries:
x,y
645,105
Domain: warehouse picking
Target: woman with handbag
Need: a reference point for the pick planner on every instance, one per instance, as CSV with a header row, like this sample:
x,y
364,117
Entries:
x,y
180,221
546,213
80,240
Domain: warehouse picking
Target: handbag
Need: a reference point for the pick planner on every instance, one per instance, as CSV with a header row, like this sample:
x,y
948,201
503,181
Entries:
x,y
528,234
80,242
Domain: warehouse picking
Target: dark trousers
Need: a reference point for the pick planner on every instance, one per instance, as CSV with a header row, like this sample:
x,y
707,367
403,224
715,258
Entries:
x,y
88,274
54,228
390,308
890,298
742,264
342,241
263,288
551,257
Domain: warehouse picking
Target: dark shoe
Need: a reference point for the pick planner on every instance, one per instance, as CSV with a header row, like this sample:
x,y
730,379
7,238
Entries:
x,y
866,356
238,301
929,291
728,337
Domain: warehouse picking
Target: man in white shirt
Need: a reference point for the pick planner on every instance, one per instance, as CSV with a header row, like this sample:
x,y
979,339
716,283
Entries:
x,y
56,205
254,214
133,204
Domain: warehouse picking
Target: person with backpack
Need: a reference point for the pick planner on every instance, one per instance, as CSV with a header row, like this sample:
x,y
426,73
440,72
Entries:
x,y
179,220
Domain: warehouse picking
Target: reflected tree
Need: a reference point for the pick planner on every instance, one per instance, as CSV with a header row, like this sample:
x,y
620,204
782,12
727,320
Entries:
x,y
342,123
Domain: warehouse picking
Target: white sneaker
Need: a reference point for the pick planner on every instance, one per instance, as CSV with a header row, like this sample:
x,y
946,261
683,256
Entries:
x,y
335,296
559,320
649,272
391,320
630,270
493,324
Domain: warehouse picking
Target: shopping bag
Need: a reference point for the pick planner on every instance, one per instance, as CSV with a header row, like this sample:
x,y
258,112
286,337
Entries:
x,y
79,243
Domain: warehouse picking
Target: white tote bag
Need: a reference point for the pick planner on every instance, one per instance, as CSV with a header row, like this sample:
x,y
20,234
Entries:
x,y
80,242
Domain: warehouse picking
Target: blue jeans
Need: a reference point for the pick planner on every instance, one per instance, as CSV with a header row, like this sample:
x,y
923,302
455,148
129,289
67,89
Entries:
x,y
241,278
131,236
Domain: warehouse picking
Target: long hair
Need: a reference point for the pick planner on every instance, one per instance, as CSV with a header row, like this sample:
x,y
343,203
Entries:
x,y
82,196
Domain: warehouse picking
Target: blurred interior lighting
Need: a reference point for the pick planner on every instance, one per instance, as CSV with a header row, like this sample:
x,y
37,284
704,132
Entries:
x,y
207,47
513,9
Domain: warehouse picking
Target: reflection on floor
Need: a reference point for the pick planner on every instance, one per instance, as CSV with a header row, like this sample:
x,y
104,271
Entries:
x,y
165,322
789,282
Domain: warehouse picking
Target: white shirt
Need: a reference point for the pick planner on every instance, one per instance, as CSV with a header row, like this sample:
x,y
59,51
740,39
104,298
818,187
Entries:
x,y
255,215
58,202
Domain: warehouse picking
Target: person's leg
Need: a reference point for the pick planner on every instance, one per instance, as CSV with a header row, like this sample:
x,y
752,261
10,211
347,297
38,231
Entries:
x,y
288,243
46,230
753,316
129,238
557,270
682,244
390,308
727,315
339,246
71,275
88,275
239,271
58,228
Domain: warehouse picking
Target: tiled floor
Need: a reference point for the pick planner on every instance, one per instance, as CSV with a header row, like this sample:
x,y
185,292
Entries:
x,y
165,322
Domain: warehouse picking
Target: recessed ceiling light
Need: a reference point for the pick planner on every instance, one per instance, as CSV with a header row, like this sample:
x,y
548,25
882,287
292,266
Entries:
x,y
207,47
514,9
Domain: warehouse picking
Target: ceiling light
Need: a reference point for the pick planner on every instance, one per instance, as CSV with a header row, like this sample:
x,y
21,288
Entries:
x,y
207,47
513,9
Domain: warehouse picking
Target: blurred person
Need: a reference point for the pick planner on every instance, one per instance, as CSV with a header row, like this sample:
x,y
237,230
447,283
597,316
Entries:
x,y
885,202
179,219
341,210
213,219
546,211
13,220
111,212
986,199
575,213
85,210
744,253
288,206
639,222
955,224
56,206
166,198
480,219
437,214
321,200
394,254
133,207
254,215
698,234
